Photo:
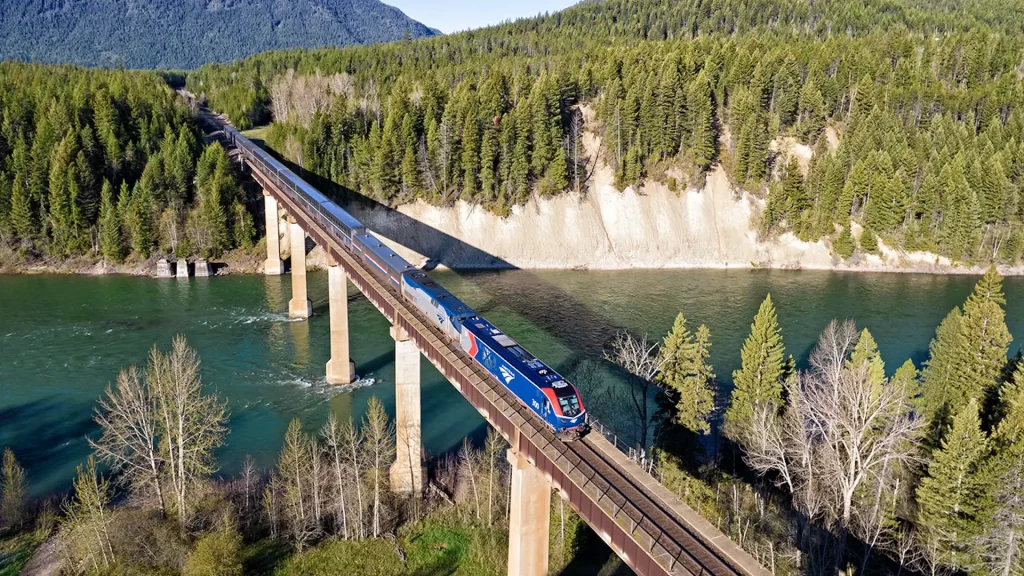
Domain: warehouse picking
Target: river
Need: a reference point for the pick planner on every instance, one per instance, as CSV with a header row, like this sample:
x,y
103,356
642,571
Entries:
x,y
64,338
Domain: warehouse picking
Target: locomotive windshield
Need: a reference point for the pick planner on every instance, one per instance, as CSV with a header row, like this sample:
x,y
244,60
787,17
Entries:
x,y
570,405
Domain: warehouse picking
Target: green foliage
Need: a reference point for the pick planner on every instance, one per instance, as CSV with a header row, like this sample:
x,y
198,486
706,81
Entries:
x,y
758,383
869,241
12,491
968,353
924,107
116,33
845,245
686,372
112,244
952,496
103,162
217,553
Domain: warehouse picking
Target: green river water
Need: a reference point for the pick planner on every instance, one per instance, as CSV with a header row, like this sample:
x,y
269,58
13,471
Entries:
x,y
63,339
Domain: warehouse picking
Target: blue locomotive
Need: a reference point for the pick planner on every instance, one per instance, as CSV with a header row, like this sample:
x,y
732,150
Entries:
x,y
535,384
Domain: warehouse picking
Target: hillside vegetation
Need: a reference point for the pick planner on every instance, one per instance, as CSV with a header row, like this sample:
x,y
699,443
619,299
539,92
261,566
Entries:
x,y
184,34
923,100
110,164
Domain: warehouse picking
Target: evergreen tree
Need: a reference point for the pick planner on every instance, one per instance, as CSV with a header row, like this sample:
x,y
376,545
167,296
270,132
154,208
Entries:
x,y
140,221
21,220
111,238
844,245
701,109
470,157
686,372
983,340
758,383
952,497
868,241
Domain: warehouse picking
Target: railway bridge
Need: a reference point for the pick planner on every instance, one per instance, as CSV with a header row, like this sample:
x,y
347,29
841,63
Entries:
x,y
653,531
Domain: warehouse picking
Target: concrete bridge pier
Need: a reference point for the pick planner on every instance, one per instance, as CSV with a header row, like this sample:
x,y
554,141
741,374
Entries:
x,y
529,518
340,369
273,266
408,472
299,306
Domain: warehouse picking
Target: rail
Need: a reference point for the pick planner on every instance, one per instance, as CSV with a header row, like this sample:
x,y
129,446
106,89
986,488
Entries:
x,y
644,523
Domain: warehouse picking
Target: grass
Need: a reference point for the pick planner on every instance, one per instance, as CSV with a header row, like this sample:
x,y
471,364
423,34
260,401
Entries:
x,y
17,549
258,134
437,546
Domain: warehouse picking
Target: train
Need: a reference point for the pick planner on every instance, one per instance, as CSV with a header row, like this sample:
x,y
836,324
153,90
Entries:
x,y
536,385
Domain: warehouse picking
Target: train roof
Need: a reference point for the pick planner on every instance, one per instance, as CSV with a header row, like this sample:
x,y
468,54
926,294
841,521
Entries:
x,y
343,216
381,251
520,358
429,286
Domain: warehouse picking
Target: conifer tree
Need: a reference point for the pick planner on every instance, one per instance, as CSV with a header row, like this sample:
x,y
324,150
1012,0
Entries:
x,y
685,371
111,237
702,130
758,383
22,222
952,497
869,241
470,157
139,220
844,245
968,353
984,337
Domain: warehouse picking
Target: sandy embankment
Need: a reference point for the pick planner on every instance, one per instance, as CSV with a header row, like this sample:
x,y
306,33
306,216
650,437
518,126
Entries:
x,y
608,229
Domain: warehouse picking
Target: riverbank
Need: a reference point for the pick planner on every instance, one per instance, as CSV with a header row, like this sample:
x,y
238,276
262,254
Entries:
x,y
648,227
239,261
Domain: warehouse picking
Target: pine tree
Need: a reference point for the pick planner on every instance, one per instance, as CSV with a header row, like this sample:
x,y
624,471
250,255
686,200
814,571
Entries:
x,y
470,157
139,221
937,376
22,222
983,341
844,245
952,497
686,372
758,383
702,123
111,238
869,241
811,111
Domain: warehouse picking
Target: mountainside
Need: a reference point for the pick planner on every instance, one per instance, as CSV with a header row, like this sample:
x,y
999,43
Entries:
x,y
184,34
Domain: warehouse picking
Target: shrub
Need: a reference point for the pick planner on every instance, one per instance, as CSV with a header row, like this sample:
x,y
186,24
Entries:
x,y
217,553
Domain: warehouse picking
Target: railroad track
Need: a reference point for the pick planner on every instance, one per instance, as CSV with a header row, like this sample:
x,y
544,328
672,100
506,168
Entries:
x,y
632,503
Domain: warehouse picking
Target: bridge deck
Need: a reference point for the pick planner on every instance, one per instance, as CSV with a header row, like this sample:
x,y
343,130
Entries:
x,y
645,524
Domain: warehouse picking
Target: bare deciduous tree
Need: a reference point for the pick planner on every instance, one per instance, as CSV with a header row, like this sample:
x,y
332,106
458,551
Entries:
x,y
639,357
379,446
128,418
844,434
192,422
332,435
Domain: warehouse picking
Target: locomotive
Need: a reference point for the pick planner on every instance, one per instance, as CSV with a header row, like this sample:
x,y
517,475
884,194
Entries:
x,y
536,385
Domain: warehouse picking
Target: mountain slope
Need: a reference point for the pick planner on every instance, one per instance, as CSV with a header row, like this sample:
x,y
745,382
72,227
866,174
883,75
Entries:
x,y
177,34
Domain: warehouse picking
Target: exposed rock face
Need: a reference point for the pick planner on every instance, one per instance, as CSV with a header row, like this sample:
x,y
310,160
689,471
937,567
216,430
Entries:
x,y
608,229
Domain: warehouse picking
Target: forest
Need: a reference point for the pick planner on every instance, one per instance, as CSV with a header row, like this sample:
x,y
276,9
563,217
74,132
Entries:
x,y
110,164
912,114
185,34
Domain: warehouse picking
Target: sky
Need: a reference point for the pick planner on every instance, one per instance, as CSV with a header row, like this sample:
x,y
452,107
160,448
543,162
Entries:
x,y
456,15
